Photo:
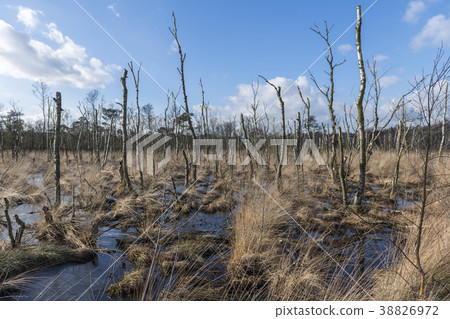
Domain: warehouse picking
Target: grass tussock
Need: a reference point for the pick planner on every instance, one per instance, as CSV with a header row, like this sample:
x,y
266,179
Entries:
x,y
17,261
131,285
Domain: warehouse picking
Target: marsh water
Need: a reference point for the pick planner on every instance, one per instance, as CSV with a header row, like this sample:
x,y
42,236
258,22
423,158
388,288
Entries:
x,y
90,281
87,281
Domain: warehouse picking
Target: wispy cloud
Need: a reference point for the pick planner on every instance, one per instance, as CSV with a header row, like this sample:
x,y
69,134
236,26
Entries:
x,y
29,17
389,80
414,11
381,57
173,46
435,32
53,33
345,48
113,9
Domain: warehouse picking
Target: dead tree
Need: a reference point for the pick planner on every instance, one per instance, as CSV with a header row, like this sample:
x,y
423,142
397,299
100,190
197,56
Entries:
x,y
400,146
8,223
42,91
83,120
254,110
91,99
20,231
283,132
56,150
307,105
182,56
298,145
342,175
359,105
244,132
204,110
111,114
375,96
125,179
441,146
136,78
328,93
428,99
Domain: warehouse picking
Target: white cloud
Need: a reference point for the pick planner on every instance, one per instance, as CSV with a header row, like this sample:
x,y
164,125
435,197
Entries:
x,y
23,57
113,9
345,48
435,32
28,17
389,80
413,11
241,102
174,46
53,33
381,57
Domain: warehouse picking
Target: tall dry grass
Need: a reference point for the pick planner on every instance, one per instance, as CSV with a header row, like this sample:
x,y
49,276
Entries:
x,y
401,281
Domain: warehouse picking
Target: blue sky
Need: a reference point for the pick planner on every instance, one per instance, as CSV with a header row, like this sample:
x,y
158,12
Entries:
x,y
228,44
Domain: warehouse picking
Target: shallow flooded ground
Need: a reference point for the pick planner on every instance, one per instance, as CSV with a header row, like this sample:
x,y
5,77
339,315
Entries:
x,y
363,252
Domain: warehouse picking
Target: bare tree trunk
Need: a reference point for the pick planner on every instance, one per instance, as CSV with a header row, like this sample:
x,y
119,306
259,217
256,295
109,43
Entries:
x,y
359,105
244,131
126,184
203,107
186,169
49,149
441,146
96,142
8,222
298,146
56,150
342,176
79,151
108,143
422,209
136,78
182,55
400,147
307,104
283,132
